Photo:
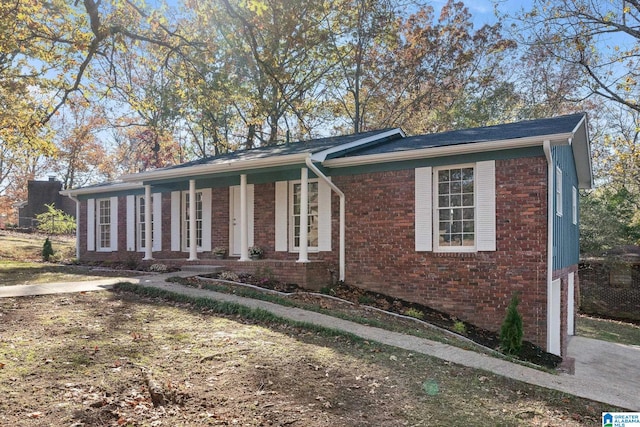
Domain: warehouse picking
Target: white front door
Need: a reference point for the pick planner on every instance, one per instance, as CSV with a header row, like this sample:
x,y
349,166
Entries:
x,y
234,218
554,313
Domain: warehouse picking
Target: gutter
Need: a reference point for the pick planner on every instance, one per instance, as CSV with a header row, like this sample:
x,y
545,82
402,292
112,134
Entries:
x,y
450,150
341,256
546,146
120,186
235,165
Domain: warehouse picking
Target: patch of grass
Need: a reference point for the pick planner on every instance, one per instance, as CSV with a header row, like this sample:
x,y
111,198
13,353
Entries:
x,y
608,330
29,273
398,325
18,246
229,308
236,370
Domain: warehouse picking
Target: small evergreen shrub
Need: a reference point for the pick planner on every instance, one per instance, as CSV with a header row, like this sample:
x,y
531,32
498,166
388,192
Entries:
x,y
511,332
414,312
47,250
459,327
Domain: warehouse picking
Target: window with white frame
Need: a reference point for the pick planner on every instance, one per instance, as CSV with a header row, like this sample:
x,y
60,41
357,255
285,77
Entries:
x,y
312,214
558,191
142,234
574,205
104,224
455,208
186,224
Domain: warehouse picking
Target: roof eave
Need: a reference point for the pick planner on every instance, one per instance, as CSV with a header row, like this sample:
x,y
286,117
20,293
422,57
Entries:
x,y
104,189
449,150
235,165
582,154
322,155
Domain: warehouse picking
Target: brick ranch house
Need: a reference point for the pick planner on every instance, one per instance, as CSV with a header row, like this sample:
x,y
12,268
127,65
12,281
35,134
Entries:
x,y
458,221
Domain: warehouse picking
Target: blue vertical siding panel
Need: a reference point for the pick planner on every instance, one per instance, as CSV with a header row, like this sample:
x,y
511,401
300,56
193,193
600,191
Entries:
x,y
565,232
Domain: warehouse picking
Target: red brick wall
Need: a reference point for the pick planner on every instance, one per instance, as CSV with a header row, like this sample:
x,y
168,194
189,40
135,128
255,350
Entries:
x,y
474,287
380,237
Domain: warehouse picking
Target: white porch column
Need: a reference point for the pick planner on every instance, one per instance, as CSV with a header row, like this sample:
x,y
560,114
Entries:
x,y
148,211
303,255
244,220
193,235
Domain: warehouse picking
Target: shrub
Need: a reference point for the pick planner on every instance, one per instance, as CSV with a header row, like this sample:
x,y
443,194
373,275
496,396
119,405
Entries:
x,y
459,327
229,275
55,221
413,312
158,268
47,250
511,332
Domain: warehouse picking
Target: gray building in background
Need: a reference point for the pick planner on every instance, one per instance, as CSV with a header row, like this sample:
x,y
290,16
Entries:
x,y
39,194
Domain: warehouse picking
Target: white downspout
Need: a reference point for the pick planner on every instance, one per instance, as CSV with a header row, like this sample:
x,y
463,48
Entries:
x,y
341,256
546,146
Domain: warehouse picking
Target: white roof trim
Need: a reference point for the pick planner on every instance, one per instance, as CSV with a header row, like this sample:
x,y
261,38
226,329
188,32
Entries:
x,y
322,155
447,150
232,165
119,186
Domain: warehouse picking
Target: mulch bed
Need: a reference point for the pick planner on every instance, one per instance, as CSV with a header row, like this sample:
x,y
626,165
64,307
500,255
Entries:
x,y
529,351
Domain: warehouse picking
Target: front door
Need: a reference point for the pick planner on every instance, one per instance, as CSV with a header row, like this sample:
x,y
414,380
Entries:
x,y
235,220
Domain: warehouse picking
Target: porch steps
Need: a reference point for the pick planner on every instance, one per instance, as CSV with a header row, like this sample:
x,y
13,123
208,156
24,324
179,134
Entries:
x,y
202,268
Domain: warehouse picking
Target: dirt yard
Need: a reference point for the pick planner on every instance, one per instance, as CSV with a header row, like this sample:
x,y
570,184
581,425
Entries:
x,y
114,359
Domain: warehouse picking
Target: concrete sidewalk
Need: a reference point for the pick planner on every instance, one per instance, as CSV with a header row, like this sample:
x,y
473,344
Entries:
x,y
604,372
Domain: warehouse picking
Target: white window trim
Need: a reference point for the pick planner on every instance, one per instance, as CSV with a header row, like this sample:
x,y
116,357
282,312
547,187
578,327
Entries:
x,y
183,221
178,228
113,225
574,205
559,200
139,225
426,224
436,209
293,248
91,225
424,209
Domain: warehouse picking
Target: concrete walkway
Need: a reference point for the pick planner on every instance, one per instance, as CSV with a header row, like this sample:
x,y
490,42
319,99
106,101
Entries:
x,y
604,372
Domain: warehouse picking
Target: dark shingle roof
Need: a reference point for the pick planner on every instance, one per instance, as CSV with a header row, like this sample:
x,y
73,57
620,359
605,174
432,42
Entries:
x,y
523,129
311,146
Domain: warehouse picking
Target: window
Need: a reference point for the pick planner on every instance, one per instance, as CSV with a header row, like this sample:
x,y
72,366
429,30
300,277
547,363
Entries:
x,y
104,224
574,205
287,216
312,215
142,233
558,191
455,208
186,224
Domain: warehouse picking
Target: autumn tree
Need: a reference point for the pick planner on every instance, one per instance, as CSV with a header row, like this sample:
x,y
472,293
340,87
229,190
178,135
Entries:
x,y
275,59
599,37
445,71
80,155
